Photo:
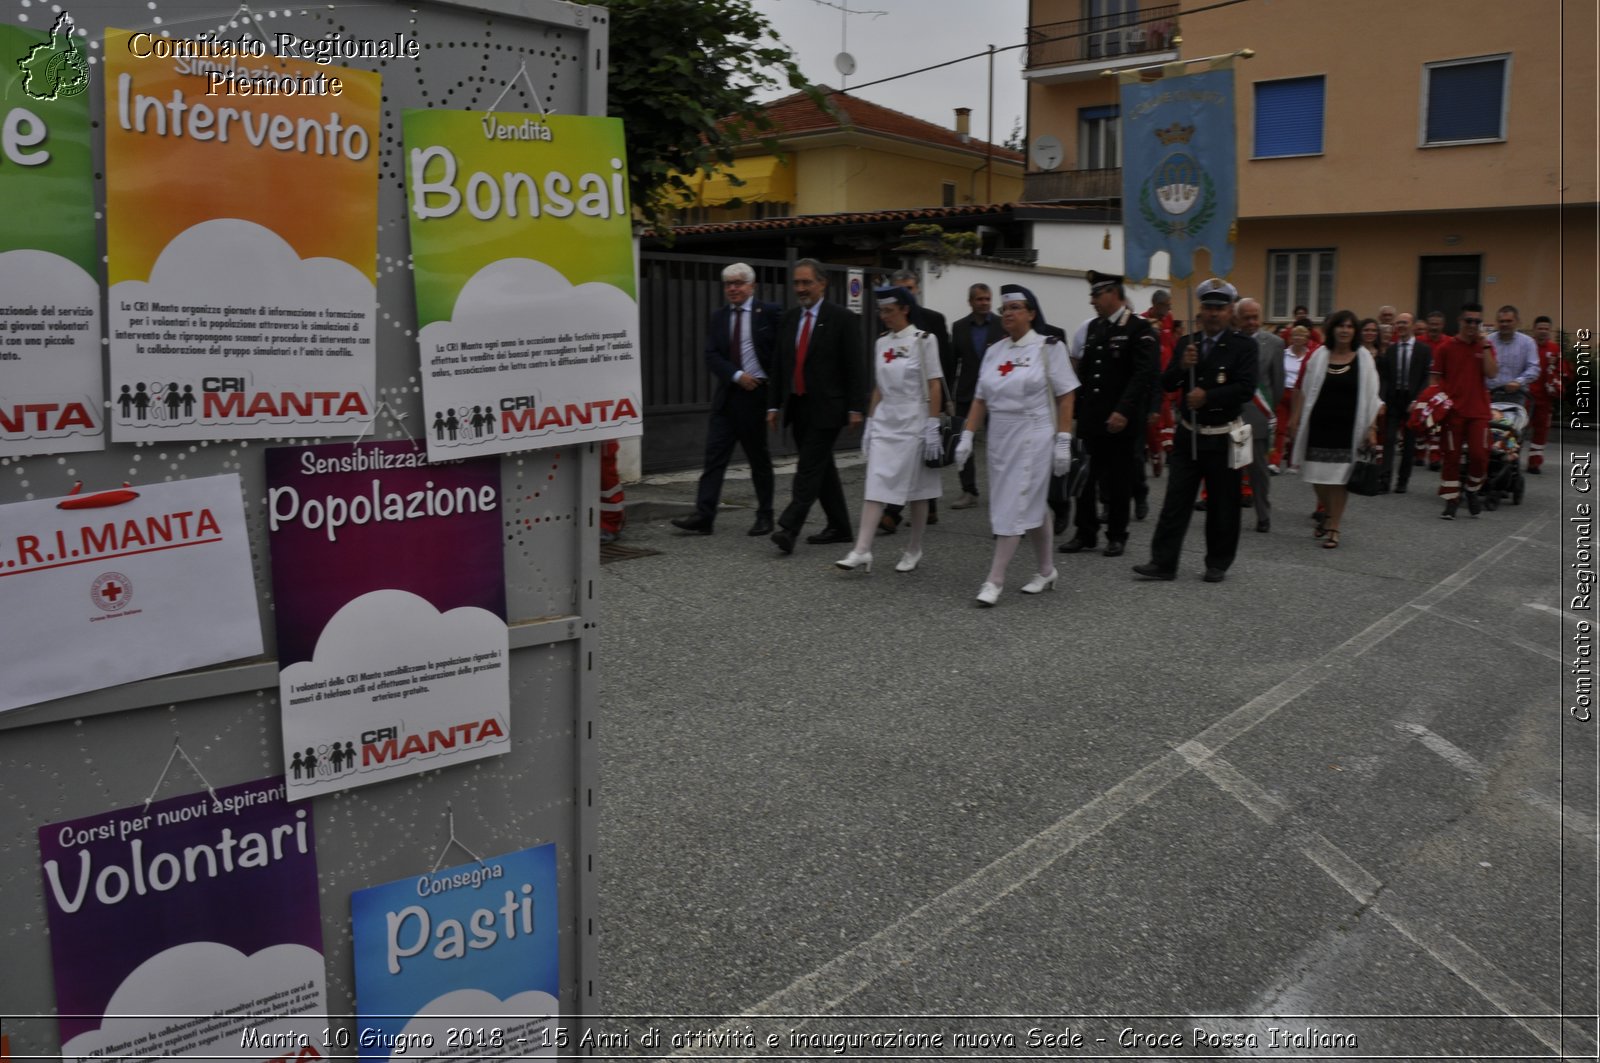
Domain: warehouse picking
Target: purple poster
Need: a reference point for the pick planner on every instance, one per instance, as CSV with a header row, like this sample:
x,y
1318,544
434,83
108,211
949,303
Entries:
x,y
389,591
187,926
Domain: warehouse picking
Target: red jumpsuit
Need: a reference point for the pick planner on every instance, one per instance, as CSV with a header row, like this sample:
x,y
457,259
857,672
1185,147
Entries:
x,y
1546,391
1158,433
1460,369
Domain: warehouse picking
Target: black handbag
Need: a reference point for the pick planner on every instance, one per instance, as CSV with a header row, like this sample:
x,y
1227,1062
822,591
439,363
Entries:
x,y
1365,476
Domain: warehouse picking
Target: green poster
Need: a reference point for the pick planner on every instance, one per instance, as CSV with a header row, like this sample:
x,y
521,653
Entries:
x,y
49,289
522,253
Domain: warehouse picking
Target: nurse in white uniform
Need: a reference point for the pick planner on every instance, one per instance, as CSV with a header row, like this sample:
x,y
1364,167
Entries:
x,y
902,429
1025,388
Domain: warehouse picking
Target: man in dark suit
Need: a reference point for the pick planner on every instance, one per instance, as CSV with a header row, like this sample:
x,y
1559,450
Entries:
x,y
1260,413
932,322
739,348
1117,368
1402,374
969,339
821,378
1222,365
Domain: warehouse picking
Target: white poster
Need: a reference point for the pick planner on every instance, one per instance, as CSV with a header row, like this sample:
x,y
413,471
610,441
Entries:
x,y
108,587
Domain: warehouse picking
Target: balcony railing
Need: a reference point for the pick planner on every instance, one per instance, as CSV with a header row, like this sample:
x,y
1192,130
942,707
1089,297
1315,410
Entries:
x,y
1058,185
1092,40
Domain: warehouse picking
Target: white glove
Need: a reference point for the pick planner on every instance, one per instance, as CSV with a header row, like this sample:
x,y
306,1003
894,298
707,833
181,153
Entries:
x,y
932,447
866,440
964,448
1062,459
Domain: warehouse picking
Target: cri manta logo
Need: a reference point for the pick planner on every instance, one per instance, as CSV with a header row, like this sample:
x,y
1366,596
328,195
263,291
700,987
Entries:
x,y
111,591
524,413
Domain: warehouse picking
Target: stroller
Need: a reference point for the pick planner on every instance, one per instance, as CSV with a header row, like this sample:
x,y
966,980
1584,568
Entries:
x,y
1508,424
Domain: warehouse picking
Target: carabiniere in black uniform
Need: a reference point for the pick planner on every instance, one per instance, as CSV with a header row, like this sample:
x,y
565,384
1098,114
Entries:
x,y
1121,356
1226,370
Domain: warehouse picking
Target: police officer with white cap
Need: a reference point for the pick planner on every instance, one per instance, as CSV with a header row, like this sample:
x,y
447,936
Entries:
x,y
1216,370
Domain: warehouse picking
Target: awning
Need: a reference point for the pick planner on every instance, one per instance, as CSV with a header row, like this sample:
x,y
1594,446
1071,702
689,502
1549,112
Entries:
x,y
767,179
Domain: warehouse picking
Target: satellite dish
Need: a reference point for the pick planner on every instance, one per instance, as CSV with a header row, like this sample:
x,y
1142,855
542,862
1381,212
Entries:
x,y
845,63
1047,152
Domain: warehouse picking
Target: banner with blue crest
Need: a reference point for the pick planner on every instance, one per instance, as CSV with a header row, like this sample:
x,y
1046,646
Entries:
x,y
1179,175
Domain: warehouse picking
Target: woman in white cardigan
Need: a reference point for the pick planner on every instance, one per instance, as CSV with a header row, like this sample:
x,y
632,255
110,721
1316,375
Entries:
x,y
1338,402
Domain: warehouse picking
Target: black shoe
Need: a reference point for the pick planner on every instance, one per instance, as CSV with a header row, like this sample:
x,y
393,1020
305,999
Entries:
x,y
1419,463
887,525
1383,489
1060,522
1474,506
1450,508
1215,575
933,511
1200,506
1399,489
762,526
1114,548
1263,525
696,523
1150,570
1141,508
831,535
1535,470
1435,466
1076,545
784,538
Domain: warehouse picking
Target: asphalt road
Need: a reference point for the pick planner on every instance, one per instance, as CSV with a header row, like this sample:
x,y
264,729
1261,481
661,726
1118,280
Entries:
x,y
1339,792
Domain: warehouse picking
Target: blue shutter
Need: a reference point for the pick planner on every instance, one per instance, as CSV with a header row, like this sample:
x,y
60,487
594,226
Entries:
x,y
1090,114
1465,101
1289,117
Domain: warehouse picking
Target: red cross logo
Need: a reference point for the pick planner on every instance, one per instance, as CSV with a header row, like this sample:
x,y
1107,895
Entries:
x,y
1006,368
888,357
112,591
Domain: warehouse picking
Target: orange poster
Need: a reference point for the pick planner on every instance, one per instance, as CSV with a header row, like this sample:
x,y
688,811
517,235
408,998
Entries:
x,y
242,241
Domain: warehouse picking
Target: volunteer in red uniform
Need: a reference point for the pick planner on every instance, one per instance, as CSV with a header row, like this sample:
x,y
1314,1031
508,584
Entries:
x,y
1158,429
1463,364
1545,393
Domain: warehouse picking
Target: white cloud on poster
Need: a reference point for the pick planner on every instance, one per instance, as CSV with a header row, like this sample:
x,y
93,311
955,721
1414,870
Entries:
x,y
230,260
384,628
520,298
200,978
31,278
519,1020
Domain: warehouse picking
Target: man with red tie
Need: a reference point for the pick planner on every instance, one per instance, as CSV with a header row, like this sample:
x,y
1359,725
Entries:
x,y
821,377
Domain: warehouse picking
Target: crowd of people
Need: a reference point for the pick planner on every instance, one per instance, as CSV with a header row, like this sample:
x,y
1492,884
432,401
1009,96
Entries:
x,y
1076,427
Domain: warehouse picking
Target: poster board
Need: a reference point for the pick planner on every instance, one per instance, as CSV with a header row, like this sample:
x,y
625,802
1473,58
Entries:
x,y
102,750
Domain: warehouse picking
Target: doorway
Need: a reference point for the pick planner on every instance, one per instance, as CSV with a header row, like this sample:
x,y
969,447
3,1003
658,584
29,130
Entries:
x,y
1446,283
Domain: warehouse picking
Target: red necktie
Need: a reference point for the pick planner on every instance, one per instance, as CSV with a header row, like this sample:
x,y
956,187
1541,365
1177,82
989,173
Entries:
x,y
800,356
738,340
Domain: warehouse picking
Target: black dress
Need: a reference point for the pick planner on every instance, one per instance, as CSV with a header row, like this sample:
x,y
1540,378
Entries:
x,y
1333,418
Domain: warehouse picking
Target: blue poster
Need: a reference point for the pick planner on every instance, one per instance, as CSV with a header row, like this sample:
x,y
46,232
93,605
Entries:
x,y
1179,171
460,962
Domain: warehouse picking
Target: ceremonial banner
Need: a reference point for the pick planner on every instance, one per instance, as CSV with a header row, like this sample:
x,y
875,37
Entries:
x,y
522,352
242,242
460,963
388,582
1179,175
107,587
53,392
187,928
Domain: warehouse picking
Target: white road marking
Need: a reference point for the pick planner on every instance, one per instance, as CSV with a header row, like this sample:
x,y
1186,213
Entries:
x,y
1584,826
1565,614
1518,1003
903,941
1497,635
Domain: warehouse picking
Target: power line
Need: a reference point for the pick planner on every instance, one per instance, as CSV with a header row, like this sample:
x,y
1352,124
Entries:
x,y
1028,44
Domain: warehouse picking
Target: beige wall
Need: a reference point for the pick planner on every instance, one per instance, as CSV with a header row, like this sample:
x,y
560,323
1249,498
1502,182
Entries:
x,y
1372,53
846,178
1540,260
